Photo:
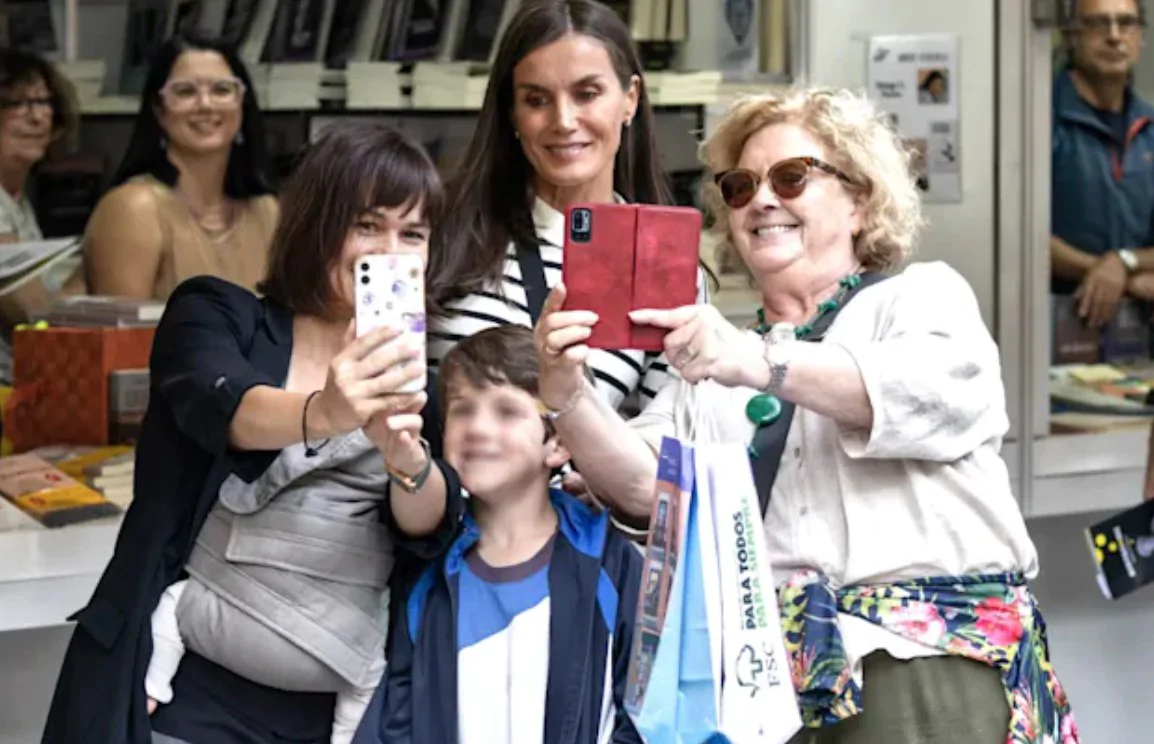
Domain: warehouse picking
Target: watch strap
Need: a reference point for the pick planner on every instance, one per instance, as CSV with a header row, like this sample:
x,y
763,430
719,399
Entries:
x,y
412,483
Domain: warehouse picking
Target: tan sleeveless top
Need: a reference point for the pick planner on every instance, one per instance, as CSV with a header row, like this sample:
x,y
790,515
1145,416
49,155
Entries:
x,y
239,256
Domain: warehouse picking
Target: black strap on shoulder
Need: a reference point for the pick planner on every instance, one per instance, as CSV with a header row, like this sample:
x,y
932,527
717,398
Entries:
x,y
533,276
768,443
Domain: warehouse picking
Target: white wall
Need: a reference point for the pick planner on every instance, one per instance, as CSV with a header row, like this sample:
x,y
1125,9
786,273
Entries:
x,y
1144,72
963,233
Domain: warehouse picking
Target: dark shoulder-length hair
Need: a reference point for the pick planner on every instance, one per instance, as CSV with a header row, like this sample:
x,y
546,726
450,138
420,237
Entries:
x,y
19,68
246,175
353,167
490,192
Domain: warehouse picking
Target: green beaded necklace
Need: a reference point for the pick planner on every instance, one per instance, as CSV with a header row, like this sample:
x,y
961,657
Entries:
x,y
765,408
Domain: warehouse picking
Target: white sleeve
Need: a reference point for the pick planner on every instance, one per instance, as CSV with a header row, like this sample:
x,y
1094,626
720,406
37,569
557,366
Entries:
x,y
7,223
932,372
657,420
352,702
167,646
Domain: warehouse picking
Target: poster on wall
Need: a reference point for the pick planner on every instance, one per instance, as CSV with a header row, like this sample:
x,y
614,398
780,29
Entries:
x,y
914,78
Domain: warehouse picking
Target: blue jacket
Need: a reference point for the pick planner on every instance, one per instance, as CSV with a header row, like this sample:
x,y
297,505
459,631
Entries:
x,y
1102,189
594,581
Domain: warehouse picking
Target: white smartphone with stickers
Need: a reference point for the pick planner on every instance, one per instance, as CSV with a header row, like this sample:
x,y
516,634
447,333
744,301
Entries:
x,y
390,289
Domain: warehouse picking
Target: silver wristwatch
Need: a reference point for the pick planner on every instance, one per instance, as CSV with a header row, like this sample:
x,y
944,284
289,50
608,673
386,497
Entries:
x,y
776,354
1129,259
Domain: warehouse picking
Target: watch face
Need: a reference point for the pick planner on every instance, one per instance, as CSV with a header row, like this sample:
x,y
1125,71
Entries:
x,y
1128,258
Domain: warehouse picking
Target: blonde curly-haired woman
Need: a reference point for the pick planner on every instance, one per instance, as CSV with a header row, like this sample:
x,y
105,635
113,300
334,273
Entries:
x,y
872,402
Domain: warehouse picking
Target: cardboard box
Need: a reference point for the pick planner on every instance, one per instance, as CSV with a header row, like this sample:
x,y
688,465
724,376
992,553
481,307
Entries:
x,y
61,382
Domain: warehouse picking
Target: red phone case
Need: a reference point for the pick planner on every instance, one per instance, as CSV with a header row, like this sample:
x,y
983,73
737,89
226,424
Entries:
x,y
630,257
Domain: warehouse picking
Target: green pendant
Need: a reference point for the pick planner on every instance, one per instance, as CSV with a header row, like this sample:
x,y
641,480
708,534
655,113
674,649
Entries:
x,y
763,409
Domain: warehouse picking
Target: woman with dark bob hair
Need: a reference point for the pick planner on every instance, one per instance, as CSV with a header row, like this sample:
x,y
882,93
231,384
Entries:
x,y
278,470
566,119
190,196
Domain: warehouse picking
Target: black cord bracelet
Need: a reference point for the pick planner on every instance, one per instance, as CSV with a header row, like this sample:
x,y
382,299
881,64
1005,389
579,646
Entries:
x,y
309,451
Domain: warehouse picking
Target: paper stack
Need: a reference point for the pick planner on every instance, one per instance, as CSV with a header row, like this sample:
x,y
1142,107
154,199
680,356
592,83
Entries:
x,y
683,88
87,78
289,86
375,85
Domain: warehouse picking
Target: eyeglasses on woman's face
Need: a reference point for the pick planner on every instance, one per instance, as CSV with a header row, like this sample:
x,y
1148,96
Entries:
x,y
24,105
788,179
184,94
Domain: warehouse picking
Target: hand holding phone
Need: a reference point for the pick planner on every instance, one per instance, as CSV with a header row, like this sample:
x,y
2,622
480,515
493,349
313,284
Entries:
x,y
390,290
624,257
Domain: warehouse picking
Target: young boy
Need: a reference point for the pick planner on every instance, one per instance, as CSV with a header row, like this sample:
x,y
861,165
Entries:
x,y
521,631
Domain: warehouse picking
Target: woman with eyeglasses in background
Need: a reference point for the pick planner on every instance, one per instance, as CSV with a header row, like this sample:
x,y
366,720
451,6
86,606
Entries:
x,y
191,196
37,109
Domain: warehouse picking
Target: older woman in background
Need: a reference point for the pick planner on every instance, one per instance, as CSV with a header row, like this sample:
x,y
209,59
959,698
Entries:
x,y
37,108
873,407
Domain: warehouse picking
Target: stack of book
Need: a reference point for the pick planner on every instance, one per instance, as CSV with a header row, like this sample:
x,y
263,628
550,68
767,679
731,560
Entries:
x,y
669,88
109,469
98,311
112,477
449,86
87,78
1125,339
375,85
47,494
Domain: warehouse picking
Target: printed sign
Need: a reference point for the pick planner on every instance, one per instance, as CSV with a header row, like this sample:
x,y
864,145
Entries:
x,y
915,80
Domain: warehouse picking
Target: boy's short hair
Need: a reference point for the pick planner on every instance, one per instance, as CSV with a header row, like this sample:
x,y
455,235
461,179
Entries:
x,y
504,355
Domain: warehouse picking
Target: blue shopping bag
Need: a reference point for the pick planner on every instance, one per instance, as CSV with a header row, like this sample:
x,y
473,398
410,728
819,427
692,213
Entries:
x,y
673,690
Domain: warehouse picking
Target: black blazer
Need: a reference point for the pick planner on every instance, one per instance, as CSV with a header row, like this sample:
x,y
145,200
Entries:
x,y
215,342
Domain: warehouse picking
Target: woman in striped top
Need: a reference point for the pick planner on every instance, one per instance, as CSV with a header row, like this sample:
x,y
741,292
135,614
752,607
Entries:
x,y
566,119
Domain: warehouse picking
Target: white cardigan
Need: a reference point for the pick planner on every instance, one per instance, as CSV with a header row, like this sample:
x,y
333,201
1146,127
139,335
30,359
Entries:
x,y
925,492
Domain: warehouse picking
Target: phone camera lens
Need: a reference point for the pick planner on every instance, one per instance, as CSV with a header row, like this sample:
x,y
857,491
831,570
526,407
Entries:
x,y
364,267
364,280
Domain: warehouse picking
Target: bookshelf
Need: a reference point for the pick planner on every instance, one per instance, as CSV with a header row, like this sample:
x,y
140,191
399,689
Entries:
x,y
696,96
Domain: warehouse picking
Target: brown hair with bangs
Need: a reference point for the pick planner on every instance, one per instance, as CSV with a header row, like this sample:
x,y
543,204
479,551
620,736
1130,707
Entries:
x,y
352,168
504,355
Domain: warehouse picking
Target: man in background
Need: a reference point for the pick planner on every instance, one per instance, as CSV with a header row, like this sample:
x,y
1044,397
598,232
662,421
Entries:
x,y
1102,201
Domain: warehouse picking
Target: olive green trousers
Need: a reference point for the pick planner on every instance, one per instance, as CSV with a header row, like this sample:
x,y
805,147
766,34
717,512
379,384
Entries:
x,y
932,700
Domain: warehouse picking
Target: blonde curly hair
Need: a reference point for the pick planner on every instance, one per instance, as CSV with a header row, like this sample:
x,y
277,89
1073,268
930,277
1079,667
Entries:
x,y
858,138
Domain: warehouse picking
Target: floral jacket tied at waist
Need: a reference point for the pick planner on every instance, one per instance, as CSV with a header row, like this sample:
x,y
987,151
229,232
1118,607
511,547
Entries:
x,y
992,619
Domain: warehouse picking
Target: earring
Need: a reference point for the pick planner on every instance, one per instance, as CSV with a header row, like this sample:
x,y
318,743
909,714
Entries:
x,y
628,122
516,134
239,139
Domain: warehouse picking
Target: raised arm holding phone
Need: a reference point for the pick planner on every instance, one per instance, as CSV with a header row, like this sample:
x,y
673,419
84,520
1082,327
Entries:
x,y
566,121
871,401
283,472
